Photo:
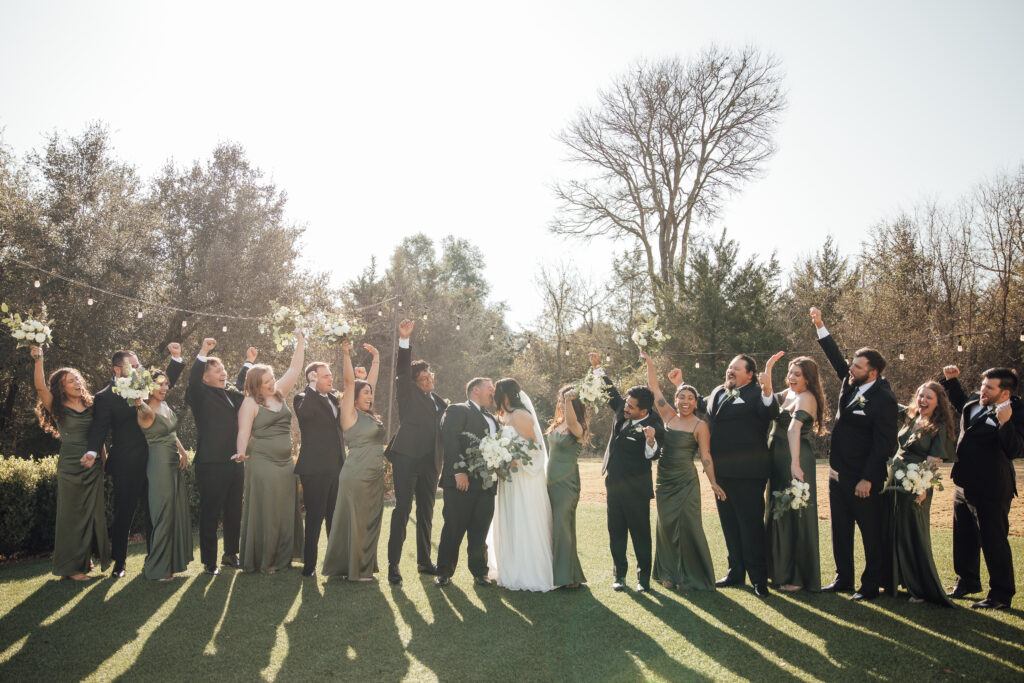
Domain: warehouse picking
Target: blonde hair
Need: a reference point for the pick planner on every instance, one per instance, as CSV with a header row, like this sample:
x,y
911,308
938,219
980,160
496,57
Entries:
x,y
254,383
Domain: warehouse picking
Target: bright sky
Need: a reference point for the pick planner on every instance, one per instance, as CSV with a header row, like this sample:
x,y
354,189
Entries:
x,y
392,118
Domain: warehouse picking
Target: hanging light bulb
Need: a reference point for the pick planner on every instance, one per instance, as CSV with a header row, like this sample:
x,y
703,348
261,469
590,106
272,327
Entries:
x,y
184,323
1022,335
380,313
224,328
567,349
89,301
492,336
696,364
139,315
527,346
424,316
903,356
399,303
960,344
608,358
36,284
458,326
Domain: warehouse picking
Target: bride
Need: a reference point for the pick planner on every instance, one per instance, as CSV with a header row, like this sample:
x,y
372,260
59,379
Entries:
x,y
519,540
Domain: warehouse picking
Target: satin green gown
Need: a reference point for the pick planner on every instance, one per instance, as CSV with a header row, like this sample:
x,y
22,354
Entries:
x,y
910,523
563,480
681,554
170,543
81,525
359,512
793,557
271,519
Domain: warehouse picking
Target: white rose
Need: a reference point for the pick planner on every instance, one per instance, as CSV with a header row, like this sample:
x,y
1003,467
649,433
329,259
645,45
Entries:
x,y
900,474
40,338
795,504
18,334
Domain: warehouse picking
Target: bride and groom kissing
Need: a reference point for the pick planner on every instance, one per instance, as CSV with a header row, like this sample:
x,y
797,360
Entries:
x,y
508,525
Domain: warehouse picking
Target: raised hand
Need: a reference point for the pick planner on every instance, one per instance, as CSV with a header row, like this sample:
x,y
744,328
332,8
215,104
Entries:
x,y
765,377
300,336
346,345
209,344
360,372
571,395
372,349
35,352
675,375
649,435
405,328
951,372
647,358
595,359
816,316
250,354
175,349
1004,412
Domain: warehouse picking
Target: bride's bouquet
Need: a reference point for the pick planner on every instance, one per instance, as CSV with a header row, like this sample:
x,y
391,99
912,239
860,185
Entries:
x,y
592,390
648,337
133,384
28,330
496,457
336,330
283,324
912,477
794,497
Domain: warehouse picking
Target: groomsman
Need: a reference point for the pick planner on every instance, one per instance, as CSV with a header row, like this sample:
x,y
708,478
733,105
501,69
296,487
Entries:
x,y
739,414
635,441
129,452
219,476
991,436
468,507
415,453
863,440
321,456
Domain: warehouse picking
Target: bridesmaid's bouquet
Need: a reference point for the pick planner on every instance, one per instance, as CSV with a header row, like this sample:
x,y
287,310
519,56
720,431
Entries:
x,y
648,337
592,390
794,497
496,457
283,324
912,477
133,384
28,330
336,330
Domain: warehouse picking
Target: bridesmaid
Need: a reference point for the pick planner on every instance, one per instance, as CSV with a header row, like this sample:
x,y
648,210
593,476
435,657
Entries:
x,y
927,435
271,520
355,528
65,411
566,436
681,556
793,556
170,542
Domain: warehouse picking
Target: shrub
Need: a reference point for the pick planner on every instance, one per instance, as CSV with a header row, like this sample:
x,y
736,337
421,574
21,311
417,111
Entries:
x,y
18,482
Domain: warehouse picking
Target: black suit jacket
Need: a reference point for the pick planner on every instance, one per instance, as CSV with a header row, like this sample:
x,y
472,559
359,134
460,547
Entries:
x,y
215,411
458,419
419,416
861,443
323,444
985,451
626,465
739,432
111,413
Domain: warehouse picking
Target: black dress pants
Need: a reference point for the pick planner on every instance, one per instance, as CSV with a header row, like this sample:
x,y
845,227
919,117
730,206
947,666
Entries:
x,y
629,517
130,488
870,517
220,487
414,478
319,495
742,518
465,513
982,525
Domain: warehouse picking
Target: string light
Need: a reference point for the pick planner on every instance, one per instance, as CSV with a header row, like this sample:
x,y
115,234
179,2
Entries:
x,y
224,328
960,344
458,326
696,364
380,313
492,336
903,356
139,315
184,323
608,358
399,303
1022,334
424,316
89,301
527,345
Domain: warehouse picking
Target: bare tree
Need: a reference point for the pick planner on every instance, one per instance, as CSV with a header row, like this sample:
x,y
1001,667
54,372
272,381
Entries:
x,y
666,145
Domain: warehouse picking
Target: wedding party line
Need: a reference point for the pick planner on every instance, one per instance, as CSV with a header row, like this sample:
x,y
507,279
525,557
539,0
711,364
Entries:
x,y
511,487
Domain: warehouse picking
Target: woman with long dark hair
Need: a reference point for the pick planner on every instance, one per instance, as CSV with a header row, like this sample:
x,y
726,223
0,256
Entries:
x,y
65,411
566,434
793,558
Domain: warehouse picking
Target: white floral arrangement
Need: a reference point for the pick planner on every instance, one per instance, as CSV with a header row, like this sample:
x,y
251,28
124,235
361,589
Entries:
x,y
648,337
28,330
796,496
284,321
336,330
592,389
860,402
912,477
134,383
495,457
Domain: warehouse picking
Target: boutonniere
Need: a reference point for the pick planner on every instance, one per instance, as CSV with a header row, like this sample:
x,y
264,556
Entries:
x,y
639,429
336,395
860,401
732,394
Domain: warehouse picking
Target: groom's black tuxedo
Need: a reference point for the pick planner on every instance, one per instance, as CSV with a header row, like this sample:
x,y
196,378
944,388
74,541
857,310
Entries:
x,y
465,513
321,457
627,471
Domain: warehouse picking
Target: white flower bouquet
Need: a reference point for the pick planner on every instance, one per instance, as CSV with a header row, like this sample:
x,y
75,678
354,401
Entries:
x,y
592,390
335,330
496,457
914,478
648,337
28,330
794,497
283,324
133,384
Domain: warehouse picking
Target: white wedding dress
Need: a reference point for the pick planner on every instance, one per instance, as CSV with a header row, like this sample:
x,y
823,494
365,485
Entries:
x,y
519,540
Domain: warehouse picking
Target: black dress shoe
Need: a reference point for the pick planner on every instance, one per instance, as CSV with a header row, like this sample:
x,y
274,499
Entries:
x,y
864,595
727,581
427,569
962,591
230,561
989,603
837,587
761,590
211,569
482,581
118,572
308,572
619,584
441,581
394,576
643,587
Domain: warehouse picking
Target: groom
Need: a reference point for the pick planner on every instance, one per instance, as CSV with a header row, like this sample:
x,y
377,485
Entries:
x,y
468,507
634,442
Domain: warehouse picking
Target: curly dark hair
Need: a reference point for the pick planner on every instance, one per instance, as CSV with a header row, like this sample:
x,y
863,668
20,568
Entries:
x,y
49,417
942,416
506,395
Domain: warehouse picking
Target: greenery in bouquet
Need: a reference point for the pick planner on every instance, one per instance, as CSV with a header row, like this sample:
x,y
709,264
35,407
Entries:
x,y
28,330
134,384
592,389
284,322
648,337
335,330
796,496
912,477
495,458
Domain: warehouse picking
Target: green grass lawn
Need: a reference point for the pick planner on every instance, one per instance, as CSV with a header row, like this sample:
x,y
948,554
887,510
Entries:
x,y
245,627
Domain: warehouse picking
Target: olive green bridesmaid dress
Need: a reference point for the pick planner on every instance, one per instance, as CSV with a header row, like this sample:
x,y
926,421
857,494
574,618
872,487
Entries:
x,y
681,554
563,479
793,556
170,543
271,519
359,512
81,527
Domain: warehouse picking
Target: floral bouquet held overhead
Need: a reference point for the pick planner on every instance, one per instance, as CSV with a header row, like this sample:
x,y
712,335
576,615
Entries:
x,y
284,323
648,337
28,330
592,390
134,384
496,457
335,330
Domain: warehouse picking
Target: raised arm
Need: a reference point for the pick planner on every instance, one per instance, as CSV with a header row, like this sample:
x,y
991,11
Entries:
x,y
39,377
571,422
403,362
144,414
287,381
195,373
955,391
371,377
175,365
246,415
829,346
665,409
250,357
347,408
703,436
614,398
